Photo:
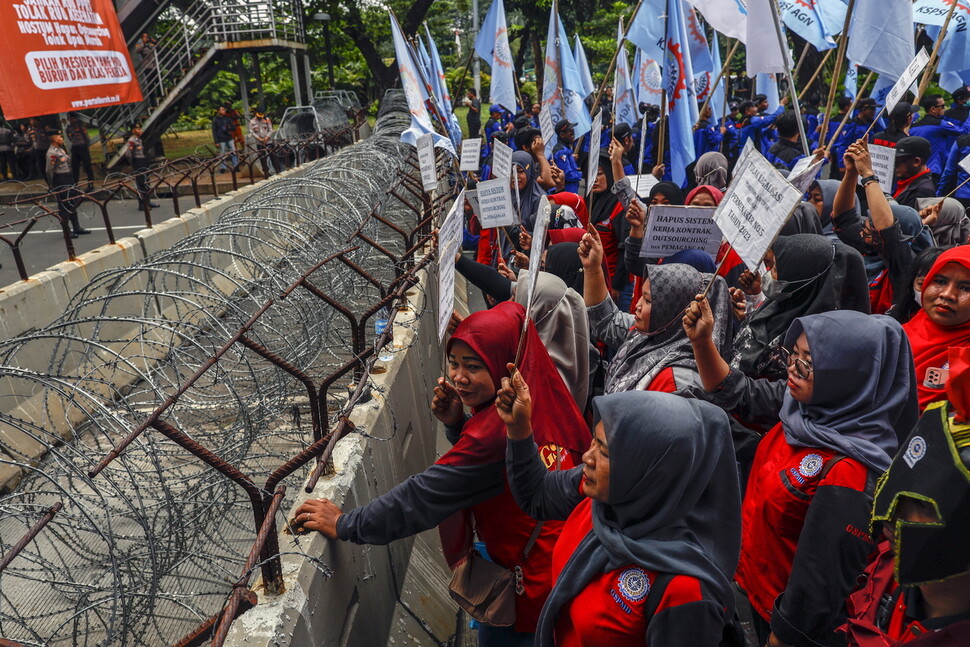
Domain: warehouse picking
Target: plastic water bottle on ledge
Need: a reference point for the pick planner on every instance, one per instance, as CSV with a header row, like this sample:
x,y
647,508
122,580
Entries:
x,y
385,353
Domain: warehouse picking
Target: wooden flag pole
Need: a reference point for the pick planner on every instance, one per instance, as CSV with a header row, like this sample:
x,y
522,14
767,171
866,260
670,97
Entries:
x,y
609,71
931,66
848,113
783,47
801,58
818,70
724,69
839,61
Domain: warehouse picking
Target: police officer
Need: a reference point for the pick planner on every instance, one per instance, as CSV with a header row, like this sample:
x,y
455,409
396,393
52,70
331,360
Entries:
x,y
562,155
58,172
21,154
77,134
39,143
261,129
139,166
6,151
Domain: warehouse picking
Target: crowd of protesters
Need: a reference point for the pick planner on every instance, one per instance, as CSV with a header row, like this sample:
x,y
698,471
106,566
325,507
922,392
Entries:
x,y
686,451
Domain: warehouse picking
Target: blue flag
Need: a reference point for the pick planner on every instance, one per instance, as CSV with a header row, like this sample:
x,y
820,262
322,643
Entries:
x,y
702,64
681,102
562,86
808,19
851,80
881,36
647,33
485,42
492,45
579,54
624,103
440,85
767,85
415,91
717,95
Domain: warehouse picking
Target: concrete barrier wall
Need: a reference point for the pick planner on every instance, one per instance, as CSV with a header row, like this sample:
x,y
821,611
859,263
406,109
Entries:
x,y
362,596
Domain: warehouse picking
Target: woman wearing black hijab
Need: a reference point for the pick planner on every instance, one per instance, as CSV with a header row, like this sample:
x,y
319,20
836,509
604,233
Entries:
x,y
810,274
607,215
652,531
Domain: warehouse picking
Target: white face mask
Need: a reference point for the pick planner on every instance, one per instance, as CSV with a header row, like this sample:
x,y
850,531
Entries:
x,y
918,295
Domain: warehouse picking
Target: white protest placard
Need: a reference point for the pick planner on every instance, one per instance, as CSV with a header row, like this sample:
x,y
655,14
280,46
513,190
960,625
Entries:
x,y
472,196
548,129
538,245
755,208
429,170
643,183
471,154
965,163
449,240
594,151
883,166
908,77
803,173
672,228
495,203
501,160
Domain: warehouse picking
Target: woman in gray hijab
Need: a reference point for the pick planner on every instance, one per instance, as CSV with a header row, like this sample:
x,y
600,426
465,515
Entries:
x,y
559,315
652,530
712,168
951,226
652,351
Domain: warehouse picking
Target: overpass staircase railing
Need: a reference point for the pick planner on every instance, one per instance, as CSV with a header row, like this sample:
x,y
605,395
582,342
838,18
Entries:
x,y
197,42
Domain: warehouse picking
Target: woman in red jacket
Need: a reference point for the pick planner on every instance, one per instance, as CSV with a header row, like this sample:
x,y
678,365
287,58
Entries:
x,y
652,521
469,481
850,395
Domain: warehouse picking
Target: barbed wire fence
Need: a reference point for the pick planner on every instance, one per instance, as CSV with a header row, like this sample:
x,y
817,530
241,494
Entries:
x,y
167,406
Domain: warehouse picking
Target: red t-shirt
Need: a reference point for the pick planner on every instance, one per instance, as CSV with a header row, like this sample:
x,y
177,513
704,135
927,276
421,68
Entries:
x,y
780,489
611,610
664,382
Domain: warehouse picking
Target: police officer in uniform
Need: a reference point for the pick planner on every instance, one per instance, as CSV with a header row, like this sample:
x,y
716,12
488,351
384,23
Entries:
x,y
77,134
261,128
60,180
6,151
139,167
39,143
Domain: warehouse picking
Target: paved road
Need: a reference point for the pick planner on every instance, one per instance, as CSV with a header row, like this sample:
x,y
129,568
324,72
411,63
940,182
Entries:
x,y
44,245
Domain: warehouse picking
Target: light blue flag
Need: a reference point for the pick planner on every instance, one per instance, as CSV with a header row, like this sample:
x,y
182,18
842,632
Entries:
x,y
647,33
679,83
647,29
552,71
768,85
955,51
572,86
717,95
852,80
440,85
562,85
702,64
502,90
881,88
579,54
485,42
806,19
881,36
415,91
624,103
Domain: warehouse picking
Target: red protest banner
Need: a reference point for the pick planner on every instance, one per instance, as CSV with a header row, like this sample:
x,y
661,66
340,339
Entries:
x,y
61,55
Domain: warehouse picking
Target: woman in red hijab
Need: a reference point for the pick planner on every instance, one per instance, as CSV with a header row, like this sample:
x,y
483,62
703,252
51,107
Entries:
x,y
470,478
943,322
